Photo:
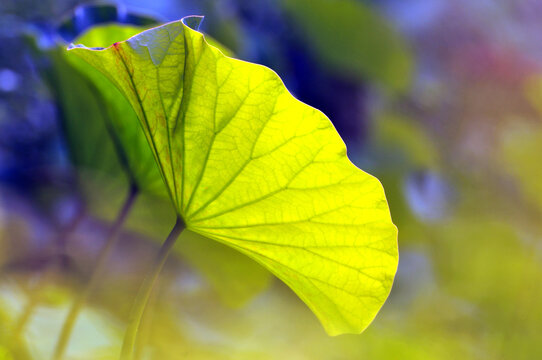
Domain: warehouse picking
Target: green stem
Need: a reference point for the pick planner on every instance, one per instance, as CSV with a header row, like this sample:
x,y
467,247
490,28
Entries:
x,y
140,302
146,323
96,274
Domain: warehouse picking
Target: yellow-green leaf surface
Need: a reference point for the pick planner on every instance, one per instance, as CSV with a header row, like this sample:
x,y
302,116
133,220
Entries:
x,y
106,143
250,166
118,115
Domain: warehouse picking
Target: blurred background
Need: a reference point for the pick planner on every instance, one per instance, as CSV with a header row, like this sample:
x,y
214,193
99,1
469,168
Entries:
x,y
441,100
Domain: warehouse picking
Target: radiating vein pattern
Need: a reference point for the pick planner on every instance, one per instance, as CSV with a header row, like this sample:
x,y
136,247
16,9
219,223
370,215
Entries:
x,y
250,166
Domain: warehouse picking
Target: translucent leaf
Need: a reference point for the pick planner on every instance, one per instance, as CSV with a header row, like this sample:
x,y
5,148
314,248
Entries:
x,y
94,112
250,166
118,115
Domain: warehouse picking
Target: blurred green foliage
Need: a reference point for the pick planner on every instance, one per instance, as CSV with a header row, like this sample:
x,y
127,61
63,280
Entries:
x,y
352,39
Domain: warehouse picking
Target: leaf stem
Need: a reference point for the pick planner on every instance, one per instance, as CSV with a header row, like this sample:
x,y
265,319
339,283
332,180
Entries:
x,y
96,274
146,323
140,302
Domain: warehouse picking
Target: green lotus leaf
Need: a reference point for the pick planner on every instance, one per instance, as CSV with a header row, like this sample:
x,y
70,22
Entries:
x,y
103,136
248,165
117,113
131,147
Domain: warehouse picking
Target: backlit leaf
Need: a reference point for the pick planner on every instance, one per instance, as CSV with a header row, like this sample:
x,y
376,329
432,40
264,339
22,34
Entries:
x,y
132,148
250,166
94,112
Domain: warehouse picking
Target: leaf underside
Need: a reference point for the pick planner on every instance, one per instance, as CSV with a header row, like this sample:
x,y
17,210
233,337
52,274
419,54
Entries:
x,y
248,165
